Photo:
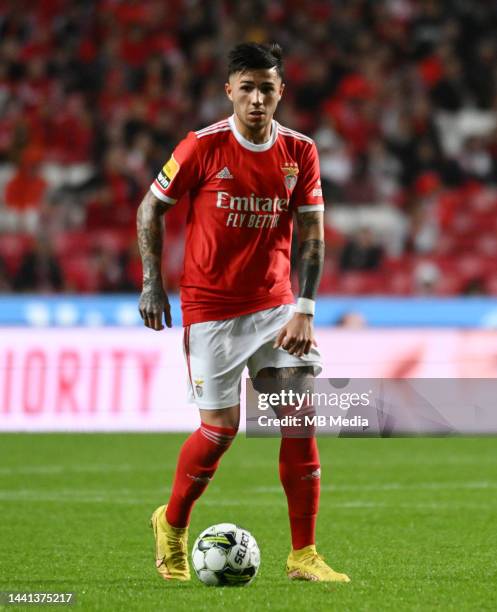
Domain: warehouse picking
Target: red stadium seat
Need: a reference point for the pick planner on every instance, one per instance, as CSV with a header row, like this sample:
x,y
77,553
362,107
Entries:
x,y
12,249
115,240
67,244
491,285
79,274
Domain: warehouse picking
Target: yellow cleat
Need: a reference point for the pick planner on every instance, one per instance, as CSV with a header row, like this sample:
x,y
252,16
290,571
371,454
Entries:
x,y
306,564
171,547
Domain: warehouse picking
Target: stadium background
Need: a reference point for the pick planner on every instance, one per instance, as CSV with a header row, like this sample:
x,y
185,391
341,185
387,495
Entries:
x,y
400,97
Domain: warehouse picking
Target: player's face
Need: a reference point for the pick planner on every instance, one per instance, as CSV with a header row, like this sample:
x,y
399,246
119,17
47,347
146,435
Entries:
x,y
255,95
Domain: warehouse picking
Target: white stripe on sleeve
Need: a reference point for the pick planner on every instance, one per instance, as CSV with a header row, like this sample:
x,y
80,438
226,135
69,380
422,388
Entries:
x,y
311,208
158,194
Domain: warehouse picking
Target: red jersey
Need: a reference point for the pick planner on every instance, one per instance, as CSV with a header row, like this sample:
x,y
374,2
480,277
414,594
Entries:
x,y
239,224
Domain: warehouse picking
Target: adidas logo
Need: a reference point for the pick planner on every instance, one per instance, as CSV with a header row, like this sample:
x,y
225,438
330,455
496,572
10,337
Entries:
x,y
201,479
224,174
315,475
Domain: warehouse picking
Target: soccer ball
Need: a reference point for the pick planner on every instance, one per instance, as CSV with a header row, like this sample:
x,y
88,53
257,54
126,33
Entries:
x,y
226,554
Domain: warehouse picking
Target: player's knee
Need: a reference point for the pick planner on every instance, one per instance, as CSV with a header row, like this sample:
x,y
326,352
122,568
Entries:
x,y
226,422
231,425
226,417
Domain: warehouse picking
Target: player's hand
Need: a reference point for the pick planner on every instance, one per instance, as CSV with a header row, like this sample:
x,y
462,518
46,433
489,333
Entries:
x,y
297,336
153,305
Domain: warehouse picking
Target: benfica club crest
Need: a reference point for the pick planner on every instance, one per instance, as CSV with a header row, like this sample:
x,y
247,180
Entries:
x,y
198,386
290,170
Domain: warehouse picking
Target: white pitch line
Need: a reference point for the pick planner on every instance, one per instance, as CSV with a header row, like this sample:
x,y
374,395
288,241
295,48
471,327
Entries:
x,y
78,492
80,499
128,493
83,469
110,468
258,503
60,469
393,486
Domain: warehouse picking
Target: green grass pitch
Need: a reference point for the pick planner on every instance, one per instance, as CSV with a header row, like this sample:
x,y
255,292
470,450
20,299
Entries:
x,y
412,521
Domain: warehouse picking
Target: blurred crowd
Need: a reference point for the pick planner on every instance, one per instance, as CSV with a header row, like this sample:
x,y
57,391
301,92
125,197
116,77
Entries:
x,y
399,95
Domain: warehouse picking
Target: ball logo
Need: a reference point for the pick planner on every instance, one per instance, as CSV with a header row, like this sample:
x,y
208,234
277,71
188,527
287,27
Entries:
x,y
242,549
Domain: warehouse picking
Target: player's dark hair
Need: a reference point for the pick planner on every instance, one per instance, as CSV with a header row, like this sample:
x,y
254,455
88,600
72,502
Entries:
x,y
254,56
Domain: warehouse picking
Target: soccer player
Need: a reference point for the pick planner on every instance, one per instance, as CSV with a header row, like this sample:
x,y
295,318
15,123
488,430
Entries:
x,y
247,177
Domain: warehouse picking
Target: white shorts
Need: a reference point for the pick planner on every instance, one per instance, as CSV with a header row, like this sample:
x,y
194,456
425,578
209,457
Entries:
x,y
217,352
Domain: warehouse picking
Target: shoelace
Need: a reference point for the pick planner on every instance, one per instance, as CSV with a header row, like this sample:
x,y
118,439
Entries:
x,y
318,560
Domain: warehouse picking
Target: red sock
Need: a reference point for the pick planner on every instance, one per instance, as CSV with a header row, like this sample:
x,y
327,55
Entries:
x,y
300,477
197,462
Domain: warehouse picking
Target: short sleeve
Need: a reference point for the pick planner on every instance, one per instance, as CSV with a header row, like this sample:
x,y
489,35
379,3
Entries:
x,y
308,195
180,174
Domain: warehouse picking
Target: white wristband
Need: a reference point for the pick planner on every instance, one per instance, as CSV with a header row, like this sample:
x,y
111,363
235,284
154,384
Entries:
x,y
305,306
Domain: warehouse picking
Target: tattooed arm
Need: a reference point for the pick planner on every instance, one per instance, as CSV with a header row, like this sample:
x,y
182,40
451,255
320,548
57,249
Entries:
x,y
311,252
153,299
297,336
